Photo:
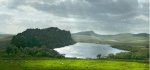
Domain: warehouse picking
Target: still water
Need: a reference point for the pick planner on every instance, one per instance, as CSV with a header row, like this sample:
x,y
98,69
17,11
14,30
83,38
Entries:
x,y
87,50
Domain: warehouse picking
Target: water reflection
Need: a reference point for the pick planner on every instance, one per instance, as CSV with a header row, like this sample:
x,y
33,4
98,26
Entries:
x,y
87,50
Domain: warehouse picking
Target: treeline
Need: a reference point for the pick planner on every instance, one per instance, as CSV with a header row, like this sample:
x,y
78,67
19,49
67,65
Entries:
x,y
39,42
42,51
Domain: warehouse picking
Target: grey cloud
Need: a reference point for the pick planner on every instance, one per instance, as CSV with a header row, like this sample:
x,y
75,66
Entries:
x,y
119,7
94,9
4,18
85,8
107,16
144,10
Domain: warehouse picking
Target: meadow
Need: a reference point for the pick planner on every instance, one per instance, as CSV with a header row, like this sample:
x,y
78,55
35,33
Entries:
x,y
71,64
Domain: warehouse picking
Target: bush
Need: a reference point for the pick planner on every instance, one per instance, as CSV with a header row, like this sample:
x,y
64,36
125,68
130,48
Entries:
x,y
12,50
34,52
130,55
134,52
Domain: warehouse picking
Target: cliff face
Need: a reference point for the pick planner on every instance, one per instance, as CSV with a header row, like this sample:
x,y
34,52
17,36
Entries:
x,y
50,37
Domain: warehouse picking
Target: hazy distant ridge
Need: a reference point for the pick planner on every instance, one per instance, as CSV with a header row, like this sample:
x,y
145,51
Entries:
x,y
91,36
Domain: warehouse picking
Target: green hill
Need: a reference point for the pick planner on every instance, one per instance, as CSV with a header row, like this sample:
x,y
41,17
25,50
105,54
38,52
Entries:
x,y
50,37
125,38
35,43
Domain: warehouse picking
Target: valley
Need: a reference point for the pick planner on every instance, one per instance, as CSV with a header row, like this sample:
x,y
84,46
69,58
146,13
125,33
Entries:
x,y
136,59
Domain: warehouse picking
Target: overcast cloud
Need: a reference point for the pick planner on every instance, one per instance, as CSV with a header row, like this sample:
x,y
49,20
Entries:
x,y
101,16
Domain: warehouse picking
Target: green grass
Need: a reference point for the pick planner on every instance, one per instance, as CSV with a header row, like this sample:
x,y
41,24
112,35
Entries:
x,y
71,64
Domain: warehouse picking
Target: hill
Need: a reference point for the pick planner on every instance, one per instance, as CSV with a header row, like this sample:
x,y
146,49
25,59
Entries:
x,y
126,38
50,37
92,37
86,33
5,40
5,36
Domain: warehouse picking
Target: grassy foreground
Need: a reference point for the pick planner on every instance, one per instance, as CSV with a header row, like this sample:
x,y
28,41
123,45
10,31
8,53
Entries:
x,y
71,64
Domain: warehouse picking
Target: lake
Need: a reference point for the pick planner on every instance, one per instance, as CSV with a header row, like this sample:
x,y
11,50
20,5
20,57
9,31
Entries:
x,y
87,50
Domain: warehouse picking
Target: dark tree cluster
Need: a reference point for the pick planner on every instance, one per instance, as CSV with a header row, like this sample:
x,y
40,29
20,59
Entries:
x,y
42,51
50,37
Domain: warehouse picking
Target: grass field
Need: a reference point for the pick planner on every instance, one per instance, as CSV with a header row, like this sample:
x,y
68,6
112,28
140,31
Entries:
x,y
71,64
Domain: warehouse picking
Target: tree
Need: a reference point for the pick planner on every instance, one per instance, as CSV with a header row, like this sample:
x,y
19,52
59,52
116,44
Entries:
x,y
111,56
98,56
11,50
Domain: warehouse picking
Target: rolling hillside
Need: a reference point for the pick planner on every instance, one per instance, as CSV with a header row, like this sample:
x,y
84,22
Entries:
x,y
92,37
124,38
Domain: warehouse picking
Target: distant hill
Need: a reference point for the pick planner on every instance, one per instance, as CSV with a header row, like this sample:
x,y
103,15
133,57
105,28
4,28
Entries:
x,y
92,37
51,37
5,40
142,34
86,33
5,36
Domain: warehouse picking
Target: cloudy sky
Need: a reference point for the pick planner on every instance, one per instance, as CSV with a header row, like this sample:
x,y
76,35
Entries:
x,y
101,16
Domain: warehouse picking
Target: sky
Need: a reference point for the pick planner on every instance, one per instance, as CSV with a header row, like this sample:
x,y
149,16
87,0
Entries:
x,y
100,16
